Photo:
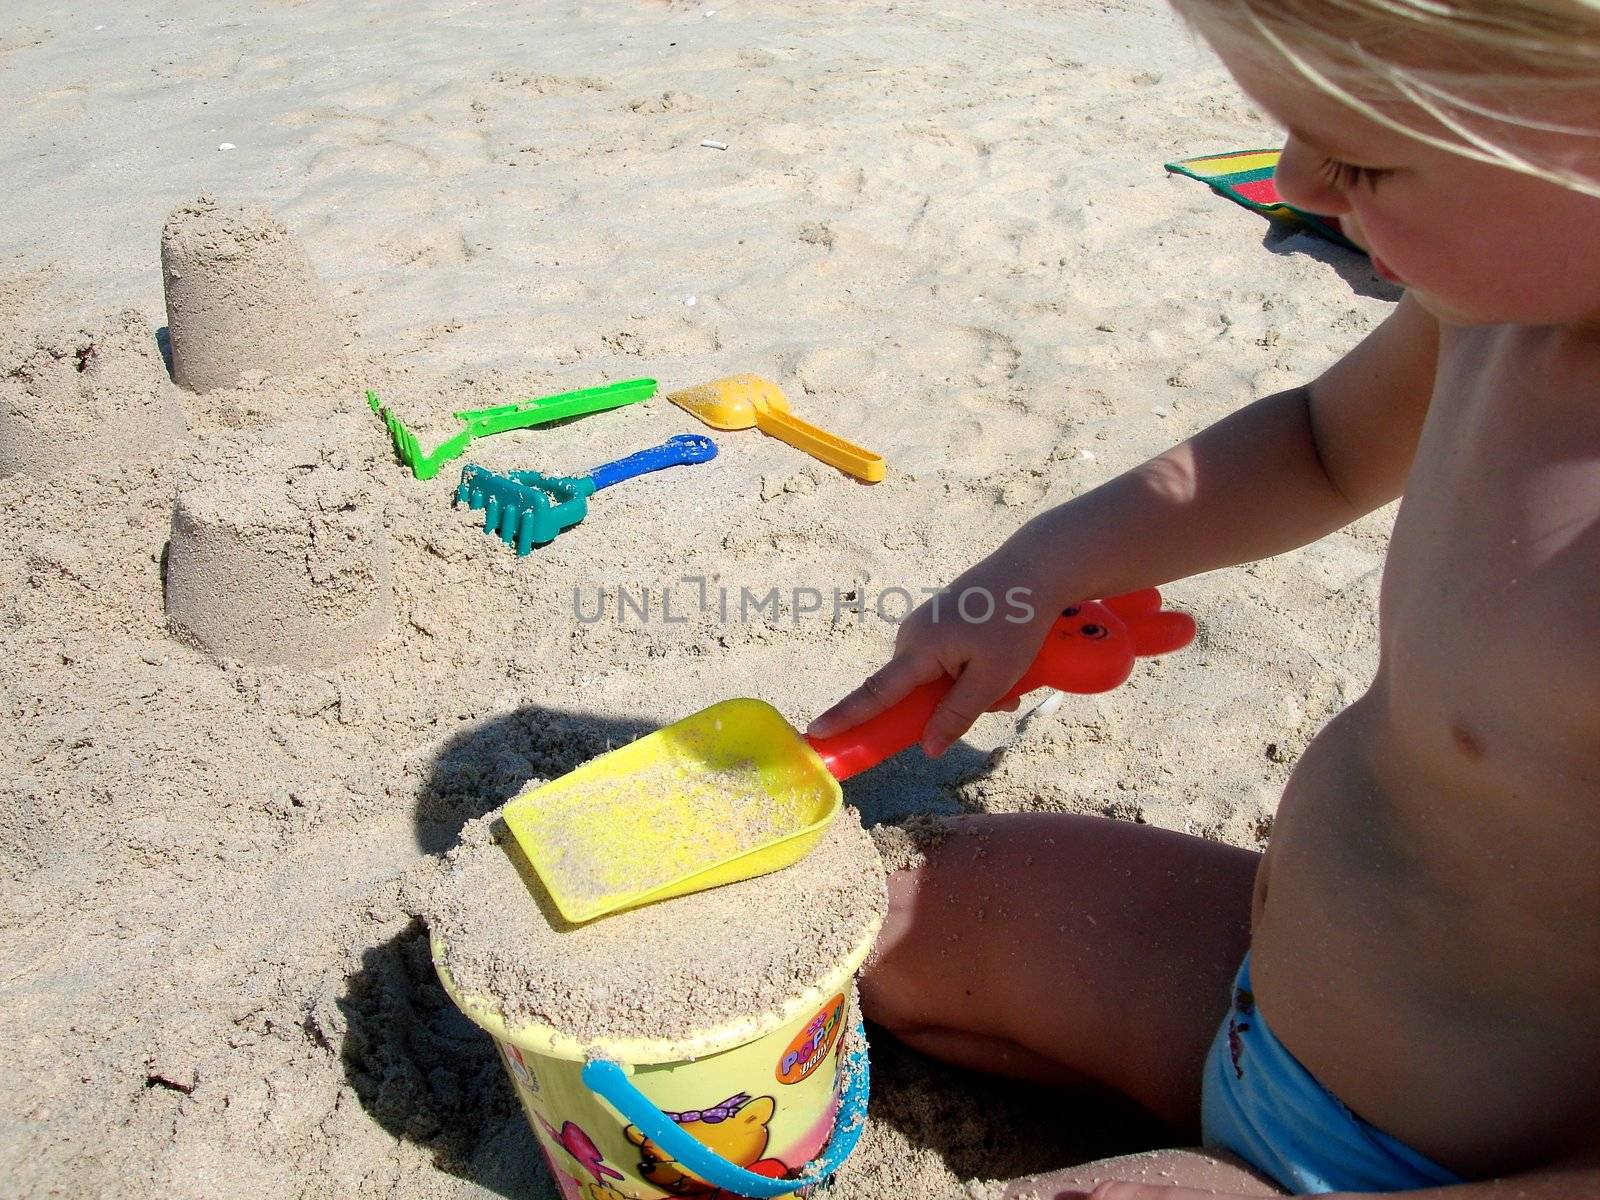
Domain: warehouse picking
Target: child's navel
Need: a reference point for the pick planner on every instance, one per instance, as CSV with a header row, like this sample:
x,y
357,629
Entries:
x,y
1466,741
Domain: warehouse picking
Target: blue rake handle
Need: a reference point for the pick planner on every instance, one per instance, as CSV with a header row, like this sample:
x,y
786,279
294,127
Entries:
x,y
674,452
610,1083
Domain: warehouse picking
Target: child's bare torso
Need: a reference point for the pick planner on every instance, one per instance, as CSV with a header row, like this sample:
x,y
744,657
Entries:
x,y
1427,924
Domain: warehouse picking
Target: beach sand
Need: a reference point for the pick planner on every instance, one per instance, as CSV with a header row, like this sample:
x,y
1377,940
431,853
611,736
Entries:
x,y
942,228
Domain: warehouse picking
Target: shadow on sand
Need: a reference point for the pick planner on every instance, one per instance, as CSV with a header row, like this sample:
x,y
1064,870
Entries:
x,y
485,765
428,1075
1352,266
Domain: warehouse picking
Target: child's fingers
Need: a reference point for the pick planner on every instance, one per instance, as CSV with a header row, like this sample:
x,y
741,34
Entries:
x,y
885,686
974,691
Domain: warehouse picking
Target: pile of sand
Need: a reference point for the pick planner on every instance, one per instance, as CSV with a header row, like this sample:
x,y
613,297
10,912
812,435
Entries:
x,y
278,551
664,971
82,395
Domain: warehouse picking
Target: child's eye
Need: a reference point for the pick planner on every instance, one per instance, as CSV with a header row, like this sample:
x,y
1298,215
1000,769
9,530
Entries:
x,y
1347,176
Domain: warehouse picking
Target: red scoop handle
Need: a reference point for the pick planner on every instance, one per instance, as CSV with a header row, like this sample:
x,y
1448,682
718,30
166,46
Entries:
x,y
1091,647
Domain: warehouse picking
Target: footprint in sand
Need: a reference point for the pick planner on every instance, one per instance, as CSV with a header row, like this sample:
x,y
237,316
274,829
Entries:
x,y
222,63
551,85
382,156
833,368
793,137
935,147
669,101
972,357
1021,489
842,187
662,338
49,108
301,117
438,247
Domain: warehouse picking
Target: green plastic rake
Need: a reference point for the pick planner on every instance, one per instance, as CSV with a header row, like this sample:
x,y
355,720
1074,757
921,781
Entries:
x,y
481,422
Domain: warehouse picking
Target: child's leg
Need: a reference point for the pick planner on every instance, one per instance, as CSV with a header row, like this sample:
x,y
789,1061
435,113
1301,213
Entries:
x,y
1202,1170
1068,950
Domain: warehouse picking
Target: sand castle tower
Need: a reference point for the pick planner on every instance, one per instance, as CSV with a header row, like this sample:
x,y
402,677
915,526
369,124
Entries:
x,y
85,394
241,296
278,552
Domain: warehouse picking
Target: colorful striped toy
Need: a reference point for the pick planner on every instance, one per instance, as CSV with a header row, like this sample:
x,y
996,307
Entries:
x,y
1245,177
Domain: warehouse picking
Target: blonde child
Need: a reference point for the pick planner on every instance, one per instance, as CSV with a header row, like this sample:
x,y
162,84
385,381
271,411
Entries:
x,y
1419,1001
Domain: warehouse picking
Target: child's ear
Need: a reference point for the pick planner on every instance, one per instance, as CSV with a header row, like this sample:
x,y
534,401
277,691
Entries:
x,y
758,1112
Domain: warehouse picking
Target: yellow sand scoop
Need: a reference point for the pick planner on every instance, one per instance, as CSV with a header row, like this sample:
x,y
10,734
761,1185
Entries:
x,y
749,401
726,794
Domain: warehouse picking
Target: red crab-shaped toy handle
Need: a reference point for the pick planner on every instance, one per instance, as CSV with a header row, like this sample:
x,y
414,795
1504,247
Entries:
x,y
1090,648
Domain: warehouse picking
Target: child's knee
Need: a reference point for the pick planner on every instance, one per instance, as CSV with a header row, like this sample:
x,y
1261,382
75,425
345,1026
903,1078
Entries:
x,y
890,985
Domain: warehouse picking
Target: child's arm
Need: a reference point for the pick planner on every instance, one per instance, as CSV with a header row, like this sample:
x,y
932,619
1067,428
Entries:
x,y
1274,475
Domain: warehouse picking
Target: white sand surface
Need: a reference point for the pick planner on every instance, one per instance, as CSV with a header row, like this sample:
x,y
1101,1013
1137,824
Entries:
x,y
943,227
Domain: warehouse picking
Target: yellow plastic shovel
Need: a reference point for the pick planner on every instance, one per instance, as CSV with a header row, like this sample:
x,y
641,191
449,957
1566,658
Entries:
x,y
749,401
726,794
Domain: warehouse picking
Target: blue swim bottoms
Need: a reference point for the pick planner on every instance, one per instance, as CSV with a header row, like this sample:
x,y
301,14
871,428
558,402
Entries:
x,y
1261,1104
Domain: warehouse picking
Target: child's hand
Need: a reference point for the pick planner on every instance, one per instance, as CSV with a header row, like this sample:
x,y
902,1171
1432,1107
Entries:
x,y
985,643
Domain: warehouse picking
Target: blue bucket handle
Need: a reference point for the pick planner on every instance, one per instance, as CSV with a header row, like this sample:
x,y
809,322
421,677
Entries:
x,y
610,1082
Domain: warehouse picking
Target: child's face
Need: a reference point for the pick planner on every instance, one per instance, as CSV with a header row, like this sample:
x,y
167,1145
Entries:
x,y
1475,243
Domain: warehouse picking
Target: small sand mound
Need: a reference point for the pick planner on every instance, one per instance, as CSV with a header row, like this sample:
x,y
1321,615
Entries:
x,y
278,552
85,394
241,296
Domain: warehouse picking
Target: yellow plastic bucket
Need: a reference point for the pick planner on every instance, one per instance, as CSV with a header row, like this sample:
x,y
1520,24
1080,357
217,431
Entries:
x,y
763,1093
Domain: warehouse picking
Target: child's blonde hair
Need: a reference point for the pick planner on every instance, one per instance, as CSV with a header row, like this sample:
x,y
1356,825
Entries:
x,y
1510,82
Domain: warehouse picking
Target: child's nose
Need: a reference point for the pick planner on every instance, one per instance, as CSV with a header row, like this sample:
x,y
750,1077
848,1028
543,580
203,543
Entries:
x,y
1303,182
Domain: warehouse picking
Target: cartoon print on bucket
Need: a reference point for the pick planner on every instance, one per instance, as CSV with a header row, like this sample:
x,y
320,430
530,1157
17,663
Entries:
x,y
811,1045
518,1066
736,1128
580,1145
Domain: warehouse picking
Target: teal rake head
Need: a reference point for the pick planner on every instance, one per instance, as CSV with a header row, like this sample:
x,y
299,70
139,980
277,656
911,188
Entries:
x,y
524,509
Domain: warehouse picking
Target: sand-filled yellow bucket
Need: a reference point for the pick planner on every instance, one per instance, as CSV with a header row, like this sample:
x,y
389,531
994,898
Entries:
x,y
744,1109
707,1045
